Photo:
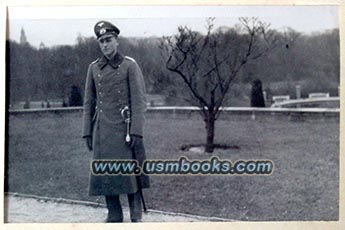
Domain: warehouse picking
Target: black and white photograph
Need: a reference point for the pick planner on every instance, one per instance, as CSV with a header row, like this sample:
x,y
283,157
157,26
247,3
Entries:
x,y
154,114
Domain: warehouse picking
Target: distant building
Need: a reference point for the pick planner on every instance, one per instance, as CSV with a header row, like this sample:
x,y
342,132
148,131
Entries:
x,y
155,100
23,40
318,95
280,98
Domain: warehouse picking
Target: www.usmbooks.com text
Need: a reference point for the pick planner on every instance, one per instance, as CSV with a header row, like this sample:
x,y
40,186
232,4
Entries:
x,y
182,166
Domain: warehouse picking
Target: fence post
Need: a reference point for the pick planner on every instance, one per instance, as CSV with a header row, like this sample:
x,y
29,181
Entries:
x,y
298,92
253,115
174,113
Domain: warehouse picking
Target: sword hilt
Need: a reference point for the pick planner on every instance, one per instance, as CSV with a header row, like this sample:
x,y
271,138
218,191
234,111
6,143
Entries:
x,y
125,113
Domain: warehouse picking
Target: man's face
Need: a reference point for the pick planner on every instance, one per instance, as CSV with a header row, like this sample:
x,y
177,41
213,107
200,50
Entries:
x,y
108,44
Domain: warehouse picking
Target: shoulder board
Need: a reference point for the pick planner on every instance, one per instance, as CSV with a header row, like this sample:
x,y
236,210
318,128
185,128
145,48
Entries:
x,y
129,58
95,61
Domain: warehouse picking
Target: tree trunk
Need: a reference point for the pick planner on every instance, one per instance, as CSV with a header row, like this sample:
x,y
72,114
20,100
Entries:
x,y
210,126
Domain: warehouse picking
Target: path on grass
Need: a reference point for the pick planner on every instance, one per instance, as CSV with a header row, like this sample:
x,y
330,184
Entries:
x,y
21,208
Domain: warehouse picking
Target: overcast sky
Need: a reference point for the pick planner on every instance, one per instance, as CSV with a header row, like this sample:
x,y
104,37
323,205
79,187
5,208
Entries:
x,y
61,25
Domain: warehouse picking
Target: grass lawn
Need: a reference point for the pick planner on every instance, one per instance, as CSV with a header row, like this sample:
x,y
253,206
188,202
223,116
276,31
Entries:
x,y
47,157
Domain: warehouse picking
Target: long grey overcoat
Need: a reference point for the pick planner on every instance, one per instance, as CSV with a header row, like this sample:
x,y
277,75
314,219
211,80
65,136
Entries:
x,y
106,92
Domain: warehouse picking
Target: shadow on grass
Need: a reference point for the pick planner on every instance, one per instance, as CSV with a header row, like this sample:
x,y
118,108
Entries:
x,y
201,147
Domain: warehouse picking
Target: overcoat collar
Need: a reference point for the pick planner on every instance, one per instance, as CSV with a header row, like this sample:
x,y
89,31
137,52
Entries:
x,y
114,62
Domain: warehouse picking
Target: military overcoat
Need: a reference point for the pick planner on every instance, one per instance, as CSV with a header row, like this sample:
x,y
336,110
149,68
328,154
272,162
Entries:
x,y
109,84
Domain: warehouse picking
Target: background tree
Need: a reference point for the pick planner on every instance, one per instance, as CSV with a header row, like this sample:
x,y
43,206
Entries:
x,y
75,97
309,60
209,63
257,98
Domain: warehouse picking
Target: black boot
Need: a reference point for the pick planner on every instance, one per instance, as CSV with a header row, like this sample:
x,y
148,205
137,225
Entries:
x,y
135,207
115,214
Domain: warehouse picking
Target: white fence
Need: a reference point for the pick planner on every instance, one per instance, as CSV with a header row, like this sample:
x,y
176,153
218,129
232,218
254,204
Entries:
x,y
186,112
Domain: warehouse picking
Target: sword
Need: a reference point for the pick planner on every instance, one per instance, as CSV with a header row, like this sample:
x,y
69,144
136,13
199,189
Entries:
x,y
126,115
139,188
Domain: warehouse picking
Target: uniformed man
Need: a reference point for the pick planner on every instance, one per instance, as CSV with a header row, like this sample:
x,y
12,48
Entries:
x,y
113,82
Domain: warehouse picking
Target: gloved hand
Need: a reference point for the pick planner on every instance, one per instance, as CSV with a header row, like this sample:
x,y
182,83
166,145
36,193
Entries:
x,y
135,139
88,140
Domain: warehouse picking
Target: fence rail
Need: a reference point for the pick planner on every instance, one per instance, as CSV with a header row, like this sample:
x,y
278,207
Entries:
x,y
182,109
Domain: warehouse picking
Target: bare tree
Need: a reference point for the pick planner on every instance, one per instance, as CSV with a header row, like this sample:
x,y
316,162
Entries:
x,y
209,63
